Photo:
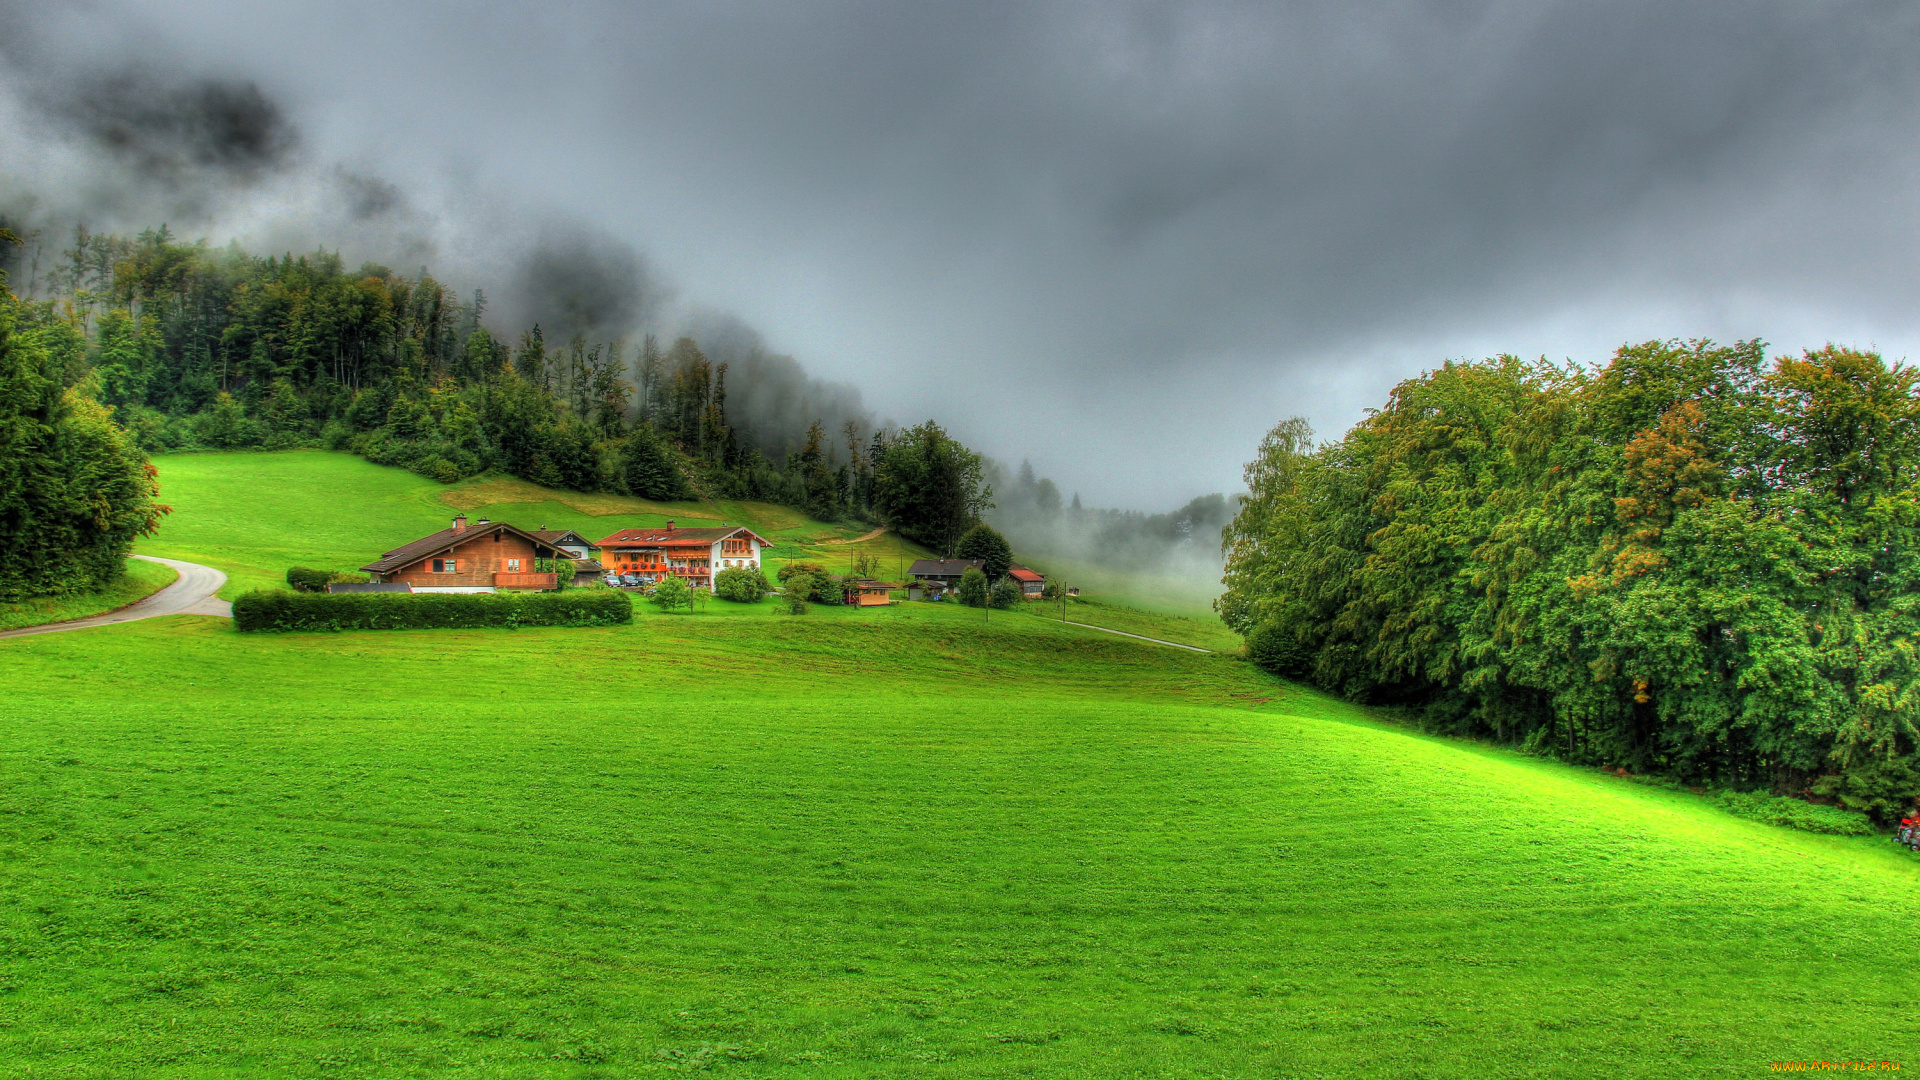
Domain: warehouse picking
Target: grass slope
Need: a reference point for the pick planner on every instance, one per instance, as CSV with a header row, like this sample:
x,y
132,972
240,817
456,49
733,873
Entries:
x,y
141,580
893,842
867,843
255,515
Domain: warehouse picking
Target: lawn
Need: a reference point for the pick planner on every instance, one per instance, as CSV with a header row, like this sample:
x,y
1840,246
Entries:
x,y
884,842
141,580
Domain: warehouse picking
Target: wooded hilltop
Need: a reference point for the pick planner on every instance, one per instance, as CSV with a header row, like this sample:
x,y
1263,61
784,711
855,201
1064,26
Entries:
x,y
1694,561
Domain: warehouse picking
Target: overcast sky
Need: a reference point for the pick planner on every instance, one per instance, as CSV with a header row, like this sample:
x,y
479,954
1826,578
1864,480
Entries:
x,y
1119,239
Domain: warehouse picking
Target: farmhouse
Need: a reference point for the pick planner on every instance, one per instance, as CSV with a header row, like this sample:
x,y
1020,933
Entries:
x,y
480,558
694,555
585,567
938,575
1032,583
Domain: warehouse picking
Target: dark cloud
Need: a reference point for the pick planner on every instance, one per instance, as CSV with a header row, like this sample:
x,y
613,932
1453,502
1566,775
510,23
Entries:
x,y
175,131
575,279
1158,226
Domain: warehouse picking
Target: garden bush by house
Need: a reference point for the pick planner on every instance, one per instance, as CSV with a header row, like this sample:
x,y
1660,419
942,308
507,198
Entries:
x,y
265,611
740,584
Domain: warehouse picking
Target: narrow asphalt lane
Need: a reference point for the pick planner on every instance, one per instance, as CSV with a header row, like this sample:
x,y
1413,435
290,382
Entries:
x,y
192,593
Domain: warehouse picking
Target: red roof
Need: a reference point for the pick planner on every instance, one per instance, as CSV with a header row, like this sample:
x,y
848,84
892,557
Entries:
x,y
676,536
1021,573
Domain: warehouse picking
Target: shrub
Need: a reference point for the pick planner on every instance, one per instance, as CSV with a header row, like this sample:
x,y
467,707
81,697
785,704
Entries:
x,y
308,580
1795,813
1005,594
352,577
740,584
270,611
793,604
672,593
973,588
793,568
812,583
1882,788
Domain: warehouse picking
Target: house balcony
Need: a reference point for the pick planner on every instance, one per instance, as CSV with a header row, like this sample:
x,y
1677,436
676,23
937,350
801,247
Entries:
x,y
505,580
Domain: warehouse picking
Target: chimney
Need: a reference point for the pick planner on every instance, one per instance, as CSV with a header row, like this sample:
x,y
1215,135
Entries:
x,y
669,526
459,523
484,521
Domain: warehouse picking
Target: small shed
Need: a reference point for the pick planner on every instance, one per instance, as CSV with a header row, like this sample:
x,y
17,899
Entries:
x,y
866,592
1032,582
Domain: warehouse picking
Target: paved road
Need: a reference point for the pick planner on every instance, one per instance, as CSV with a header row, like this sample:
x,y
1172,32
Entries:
x,y
191,594
1138,637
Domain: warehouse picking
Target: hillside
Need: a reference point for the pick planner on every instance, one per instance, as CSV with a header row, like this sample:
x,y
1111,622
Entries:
x,y
896,842
254,515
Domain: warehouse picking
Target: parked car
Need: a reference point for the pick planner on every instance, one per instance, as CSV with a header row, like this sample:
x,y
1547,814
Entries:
x,y
630,579
611,579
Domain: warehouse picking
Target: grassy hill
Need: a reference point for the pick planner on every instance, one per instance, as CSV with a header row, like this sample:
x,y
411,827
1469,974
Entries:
x,y
894,842
254,515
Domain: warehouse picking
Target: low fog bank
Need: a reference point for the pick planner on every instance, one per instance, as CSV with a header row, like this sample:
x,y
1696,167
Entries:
x,y
1172,556
122,141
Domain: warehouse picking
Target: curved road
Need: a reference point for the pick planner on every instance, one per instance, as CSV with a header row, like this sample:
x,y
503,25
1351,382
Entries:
x,y
190,594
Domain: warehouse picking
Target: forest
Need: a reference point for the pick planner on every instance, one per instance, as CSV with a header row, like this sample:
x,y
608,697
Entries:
x,y
1693,561
189,346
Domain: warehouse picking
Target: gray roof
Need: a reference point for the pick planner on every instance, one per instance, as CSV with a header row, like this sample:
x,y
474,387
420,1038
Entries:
x,y
369,586
945,567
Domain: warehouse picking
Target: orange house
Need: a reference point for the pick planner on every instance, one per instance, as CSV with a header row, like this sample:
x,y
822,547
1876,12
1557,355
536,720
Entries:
x,y
694,555
484,557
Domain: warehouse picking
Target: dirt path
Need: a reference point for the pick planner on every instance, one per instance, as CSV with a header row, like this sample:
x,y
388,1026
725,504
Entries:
x,y
874,535
192,593
1138,637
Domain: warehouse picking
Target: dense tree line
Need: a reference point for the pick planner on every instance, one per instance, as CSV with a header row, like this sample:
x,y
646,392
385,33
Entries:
x,y
192,346
1691,561
75,491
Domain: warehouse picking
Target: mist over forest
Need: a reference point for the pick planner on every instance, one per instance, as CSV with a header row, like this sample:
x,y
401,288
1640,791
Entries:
x,y
203,339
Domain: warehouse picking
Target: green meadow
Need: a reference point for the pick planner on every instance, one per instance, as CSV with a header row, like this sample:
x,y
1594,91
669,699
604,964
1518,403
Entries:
x,y
888,842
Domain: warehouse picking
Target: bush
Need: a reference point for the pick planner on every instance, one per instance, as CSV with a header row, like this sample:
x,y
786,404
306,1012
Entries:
x,y
1006,593
1795,813
740,584
793,568
308,580
1882,788
973,588
793,604
269,611
672,593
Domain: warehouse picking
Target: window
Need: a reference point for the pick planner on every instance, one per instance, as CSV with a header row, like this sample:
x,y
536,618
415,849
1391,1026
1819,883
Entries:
x,y
513,566
446,566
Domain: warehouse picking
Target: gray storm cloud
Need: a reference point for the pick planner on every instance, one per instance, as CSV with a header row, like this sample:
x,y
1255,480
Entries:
x,y
1118,239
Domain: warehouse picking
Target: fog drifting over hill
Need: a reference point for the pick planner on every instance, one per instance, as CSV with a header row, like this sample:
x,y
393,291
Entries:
x,y
1117,239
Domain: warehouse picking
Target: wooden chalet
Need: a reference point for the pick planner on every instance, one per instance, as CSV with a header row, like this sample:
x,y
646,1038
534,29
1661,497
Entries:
x,y
484,557
694,555
933,577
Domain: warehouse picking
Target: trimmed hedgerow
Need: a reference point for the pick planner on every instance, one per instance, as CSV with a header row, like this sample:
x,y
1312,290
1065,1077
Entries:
x,y
267,611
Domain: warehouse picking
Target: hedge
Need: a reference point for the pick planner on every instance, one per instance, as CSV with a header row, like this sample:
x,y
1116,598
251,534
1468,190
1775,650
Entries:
x,y
259,611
